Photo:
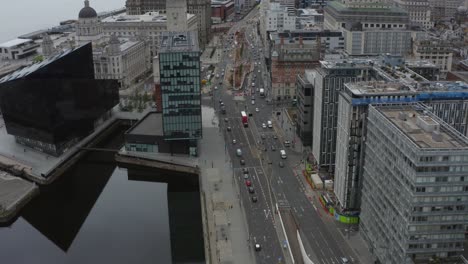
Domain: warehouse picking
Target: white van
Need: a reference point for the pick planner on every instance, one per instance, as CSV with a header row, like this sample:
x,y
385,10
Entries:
x,y
269,124
283,154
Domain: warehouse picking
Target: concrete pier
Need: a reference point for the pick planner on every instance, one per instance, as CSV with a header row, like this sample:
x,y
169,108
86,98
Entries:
x,y
14,194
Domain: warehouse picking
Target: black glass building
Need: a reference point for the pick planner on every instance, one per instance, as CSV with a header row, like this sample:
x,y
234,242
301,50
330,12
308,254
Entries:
x,y
179,65
50,105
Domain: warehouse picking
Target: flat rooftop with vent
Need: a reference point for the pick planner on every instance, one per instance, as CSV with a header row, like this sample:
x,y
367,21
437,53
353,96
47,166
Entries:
x,y
424,128
397,88
179,42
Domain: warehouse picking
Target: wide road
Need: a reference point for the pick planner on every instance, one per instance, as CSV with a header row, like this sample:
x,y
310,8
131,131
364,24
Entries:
x,y
271,182
262,227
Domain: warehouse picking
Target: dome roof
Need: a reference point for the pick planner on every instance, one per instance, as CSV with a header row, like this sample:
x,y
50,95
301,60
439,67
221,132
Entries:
x,y
87,11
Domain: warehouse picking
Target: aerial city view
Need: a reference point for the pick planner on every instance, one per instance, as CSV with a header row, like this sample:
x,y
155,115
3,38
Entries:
x,y
234,132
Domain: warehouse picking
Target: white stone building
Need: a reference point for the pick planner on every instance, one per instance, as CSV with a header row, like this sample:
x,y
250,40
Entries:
x,y
437,51
17,49
278,18
419,11
124,60
150,25
88,27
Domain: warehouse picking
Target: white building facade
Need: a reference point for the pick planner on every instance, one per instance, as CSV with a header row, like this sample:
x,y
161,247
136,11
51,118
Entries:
x,y
278,18
17,49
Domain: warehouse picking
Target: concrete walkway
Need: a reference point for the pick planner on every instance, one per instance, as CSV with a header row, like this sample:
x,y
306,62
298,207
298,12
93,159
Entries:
x,y
228,231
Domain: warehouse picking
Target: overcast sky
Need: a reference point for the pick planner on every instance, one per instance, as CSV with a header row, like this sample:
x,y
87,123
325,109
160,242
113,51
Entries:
x,y
18,17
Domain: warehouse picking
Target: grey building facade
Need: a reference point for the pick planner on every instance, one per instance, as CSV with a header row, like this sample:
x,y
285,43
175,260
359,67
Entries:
x,y
179,66
447,100
305,107
415,194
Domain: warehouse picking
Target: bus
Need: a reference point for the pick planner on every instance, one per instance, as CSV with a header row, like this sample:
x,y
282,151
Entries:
x,y
245,120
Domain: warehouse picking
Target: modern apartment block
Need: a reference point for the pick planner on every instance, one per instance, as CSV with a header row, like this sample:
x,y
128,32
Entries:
x,y
305,106
415,194
448,100
328,80
179,66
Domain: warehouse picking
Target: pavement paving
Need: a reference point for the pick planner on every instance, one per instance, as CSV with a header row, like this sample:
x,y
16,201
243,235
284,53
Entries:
x,y
14,192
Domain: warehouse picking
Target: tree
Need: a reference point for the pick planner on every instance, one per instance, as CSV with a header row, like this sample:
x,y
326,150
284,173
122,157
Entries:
x,y
38,58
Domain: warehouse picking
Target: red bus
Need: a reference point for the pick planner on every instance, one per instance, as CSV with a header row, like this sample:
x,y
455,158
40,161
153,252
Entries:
x,y
245,120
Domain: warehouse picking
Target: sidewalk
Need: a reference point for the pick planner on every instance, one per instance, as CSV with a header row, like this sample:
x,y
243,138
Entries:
x,y
228,231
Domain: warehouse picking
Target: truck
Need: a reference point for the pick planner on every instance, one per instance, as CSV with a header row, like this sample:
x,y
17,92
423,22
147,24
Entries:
x,y
245,120
262,92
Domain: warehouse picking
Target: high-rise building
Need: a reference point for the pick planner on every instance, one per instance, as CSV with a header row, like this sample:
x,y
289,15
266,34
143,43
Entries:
x,y
448,100
179,67
51,105
201,8
415,194
305,106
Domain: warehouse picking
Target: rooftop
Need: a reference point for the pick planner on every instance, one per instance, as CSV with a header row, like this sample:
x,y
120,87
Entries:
x,y
34,67
150,125
308,12
348,63
147,17
396,87
14,42
388,11
419,63
179,42
423,128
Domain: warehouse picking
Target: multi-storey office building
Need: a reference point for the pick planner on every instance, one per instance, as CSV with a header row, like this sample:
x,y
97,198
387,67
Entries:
x,y
415,194
305,106
448,100
278,18
149,26
328,80
373,15
50,105
179,66
438,51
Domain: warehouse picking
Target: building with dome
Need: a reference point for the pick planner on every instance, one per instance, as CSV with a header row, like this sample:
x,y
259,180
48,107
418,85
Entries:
x,y
122,58
88,27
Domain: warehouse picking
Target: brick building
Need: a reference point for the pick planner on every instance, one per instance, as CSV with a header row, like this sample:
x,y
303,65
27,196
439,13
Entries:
x,y
287,61
221,10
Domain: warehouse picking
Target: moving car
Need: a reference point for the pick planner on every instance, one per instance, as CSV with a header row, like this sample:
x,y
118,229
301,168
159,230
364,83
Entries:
x,y
234,141
270,125
239,152
281,164
245,170
248,183
216,88
258,247
254,199
263,136
263,125
287,143
228,128
273,148
242,162
251,189
257,110
253,102
226,120
283,154
246,176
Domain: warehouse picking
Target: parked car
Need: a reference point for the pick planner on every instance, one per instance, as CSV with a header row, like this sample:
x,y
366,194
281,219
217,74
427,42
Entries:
x,y
287,143
258,247
270,125
234,141
273,148
226,120
263,136
263,125
281,164
228,128
257,110
242,162
239,152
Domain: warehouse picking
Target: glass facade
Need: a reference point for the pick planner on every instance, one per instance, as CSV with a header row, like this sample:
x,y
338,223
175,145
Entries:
x,y
51,104
181,95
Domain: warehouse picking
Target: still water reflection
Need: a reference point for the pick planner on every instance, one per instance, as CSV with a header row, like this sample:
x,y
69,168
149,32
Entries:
x,y
100,213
